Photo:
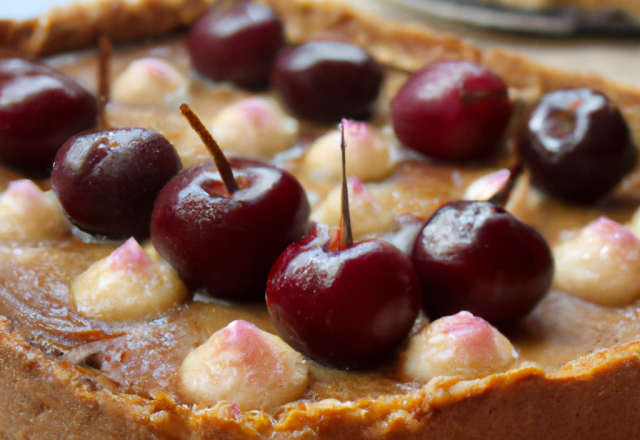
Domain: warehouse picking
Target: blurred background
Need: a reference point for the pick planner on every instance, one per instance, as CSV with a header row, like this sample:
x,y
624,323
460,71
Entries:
x,y
616,57
550,38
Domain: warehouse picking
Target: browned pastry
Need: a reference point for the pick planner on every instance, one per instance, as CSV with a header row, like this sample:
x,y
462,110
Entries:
x,y
579,363
67,28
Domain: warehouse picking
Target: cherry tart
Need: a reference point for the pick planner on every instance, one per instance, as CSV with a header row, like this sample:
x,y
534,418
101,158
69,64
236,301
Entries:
x,y
158,338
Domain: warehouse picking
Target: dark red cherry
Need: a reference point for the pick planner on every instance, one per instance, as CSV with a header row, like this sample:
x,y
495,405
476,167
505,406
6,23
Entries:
x,y
39,110
345,308
326,81
477,257
342,304
576,145
452,110
222,225
238,42
107,181
227,243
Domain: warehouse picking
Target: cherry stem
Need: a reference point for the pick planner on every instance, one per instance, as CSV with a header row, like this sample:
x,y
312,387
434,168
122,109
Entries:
x,y
502,196
104,89
218,156
346,238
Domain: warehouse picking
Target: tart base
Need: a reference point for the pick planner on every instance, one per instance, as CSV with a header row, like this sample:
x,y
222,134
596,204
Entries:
x,y
593,398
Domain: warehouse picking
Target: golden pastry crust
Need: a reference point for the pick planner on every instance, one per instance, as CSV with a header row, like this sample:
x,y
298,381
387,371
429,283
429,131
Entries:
x,y
81,24
591,398
44,398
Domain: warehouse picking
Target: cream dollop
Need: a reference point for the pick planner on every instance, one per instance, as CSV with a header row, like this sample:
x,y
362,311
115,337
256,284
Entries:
x,y
149,81
127,285
461,345
254,126
245,365
601,264
368,154
367,216
28,213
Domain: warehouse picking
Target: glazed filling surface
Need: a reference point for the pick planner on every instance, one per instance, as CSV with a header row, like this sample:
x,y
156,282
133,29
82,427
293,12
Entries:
x,y
144,357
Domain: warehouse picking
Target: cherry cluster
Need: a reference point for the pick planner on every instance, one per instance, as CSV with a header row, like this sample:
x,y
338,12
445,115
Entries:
x,y
350,305
244,43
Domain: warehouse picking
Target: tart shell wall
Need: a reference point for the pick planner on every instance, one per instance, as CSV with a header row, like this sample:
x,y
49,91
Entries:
x,y
595,397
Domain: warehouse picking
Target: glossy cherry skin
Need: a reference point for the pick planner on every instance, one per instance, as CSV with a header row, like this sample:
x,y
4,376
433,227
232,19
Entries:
x,y
452,110
108,181
237,42
348,308
576,145
39,110
476,257
227,244
326,81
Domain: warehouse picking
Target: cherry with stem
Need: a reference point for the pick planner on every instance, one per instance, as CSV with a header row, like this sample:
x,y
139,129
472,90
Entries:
x,y
222,224
344,235
343,304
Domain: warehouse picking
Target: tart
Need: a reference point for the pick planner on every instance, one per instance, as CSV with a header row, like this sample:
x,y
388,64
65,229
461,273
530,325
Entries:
x,y
68,374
